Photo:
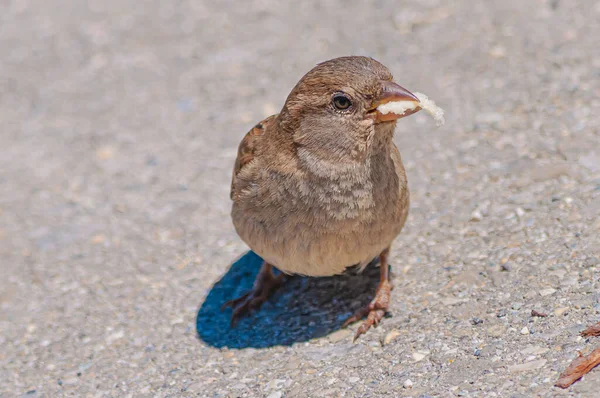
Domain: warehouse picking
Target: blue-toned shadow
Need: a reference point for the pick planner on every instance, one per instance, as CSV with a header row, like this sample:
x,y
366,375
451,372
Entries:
x,y
303,309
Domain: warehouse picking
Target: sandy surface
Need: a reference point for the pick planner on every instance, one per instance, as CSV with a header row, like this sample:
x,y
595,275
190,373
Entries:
x,y
120,122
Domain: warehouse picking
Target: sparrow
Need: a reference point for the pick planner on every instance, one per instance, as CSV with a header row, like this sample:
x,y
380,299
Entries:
x,y
320,187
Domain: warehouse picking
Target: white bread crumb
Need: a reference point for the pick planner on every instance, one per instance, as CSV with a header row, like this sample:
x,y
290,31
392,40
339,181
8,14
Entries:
x,y
400,107
397,107
430,107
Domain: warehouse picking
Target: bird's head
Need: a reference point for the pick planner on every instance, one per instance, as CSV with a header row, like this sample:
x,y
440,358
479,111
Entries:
x,y
332,111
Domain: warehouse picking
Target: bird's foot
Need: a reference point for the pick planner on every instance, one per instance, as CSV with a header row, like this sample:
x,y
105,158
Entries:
x,y
265,285
374,311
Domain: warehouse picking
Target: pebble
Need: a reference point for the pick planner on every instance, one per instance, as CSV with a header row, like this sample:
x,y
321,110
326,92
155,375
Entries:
x,y
105,153
196,387
591,261
537,350
391,336
520,212
115,336
453,300
407,383
560,311
339,335
419,355
70,381
505,267
547,292
525,330
524,367
353,379
476,216
275,394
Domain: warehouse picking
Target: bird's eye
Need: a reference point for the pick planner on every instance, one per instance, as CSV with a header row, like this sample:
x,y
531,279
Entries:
x,y
341,101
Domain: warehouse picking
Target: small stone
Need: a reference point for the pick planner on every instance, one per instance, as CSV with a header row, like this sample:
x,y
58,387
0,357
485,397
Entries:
x,y
590,161
196,387
353,379
476,216
452,300
535,350
419,355
524,367
498,51
97,239
275,394
591,261
525,330
476,321
105,153
115,336
560,311
516,306
407,383
391,336
547,292
339,335
70,381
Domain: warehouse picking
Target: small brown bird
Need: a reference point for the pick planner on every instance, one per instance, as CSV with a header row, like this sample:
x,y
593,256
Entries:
x,y
320,187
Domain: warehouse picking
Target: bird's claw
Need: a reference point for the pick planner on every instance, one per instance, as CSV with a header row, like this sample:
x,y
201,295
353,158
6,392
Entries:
x,y
374,311
265,285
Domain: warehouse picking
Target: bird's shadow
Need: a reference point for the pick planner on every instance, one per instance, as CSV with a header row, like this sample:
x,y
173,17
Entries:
x,y
303,309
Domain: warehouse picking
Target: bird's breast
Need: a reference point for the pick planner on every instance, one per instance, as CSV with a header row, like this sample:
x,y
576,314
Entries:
x,y
319,224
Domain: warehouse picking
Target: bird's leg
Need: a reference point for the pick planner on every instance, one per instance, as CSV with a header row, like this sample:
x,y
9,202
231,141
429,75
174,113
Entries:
x,y
265,284
377,308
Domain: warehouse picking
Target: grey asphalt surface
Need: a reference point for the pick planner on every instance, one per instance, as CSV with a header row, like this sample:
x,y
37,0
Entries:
x,y
120,122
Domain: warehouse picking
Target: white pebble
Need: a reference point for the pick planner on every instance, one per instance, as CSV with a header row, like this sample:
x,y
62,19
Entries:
x,y
408,383
419,356
476,215
547,292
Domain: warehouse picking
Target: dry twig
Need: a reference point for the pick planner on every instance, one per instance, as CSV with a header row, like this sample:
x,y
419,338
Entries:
x,y
579,367
592,331
537,313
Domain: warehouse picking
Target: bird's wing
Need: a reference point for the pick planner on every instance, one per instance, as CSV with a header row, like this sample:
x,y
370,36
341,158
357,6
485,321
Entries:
x,y
248,146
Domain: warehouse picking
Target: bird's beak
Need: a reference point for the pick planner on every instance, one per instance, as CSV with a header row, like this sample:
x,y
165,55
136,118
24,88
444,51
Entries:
x,y
392,92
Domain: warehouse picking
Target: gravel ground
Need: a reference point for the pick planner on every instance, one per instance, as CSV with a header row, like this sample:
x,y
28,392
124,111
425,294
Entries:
x,y
120,126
